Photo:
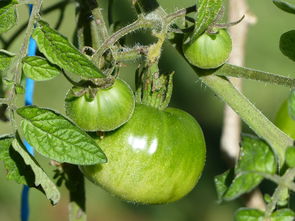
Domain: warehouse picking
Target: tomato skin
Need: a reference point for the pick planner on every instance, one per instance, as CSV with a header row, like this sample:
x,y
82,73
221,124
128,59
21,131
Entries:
x,y
284,121
209,50
111,108
156,157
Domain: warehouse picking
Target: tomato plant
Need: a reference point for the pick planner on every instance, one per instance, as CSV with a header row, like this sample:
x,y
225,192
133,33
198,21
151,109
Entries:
x,y
128,139
172,147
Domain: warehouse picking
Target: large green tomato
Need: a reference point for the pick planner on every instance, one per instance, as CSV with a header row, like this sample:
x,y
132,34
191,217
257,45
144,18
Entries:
x,y
109,109
156,157
284,121
209,50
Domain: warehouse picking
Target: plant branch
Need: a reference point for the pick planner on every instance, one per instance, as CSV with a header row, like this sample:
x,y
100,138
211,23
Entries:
x,y
263,127
229,70
15,67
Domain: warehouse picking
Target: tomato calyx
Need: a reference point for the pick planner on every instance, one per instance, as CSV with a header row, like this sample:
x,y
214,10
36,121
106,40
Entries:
x,y
153,88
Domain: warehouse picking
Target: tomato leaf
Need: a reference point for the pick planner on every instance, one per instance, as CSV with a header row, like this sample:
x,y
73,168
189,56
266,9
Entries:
x,y
208,11
11,159
8,16
55,137
245,214
283,215
23,169
222,183
58,50
5,60
255,156
287,44
255,159
40,177
285,5
39,69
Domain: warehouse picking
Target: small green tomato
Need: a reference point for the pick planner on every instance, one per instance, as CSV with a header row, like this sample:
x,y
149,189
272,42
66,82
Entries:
x,y
284,121
209,50
109,109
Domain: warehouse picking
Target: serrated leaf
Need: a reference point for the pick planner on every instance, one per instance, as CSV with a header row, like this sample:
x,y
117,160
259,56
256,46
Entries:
x,y
55,137
255,156
242,183
5,60
287,44
290,156
208,11
58,50
245,214
40,177
39,69
285,5
11,159
283,215
7,15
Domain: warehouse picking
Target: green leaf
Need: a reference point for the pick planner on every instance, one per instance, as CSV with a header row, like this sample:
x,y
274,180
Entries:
x,y
285,5
5,60
290,156
40,177
222,182
242,183
287,44
39,69
283,215
8,16
255,156
12,161
55,137
245,214
58,50
208,11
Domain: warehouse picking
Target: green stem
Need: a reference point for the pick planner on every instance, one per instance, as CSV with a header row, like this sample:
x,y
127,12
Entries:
x,y
138,24
229,70
264,128
16,66
75,185
284,182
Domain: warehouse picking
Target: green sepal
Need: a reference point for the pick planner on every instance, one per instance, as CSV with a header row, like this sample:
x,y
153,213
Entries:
x,y
287,44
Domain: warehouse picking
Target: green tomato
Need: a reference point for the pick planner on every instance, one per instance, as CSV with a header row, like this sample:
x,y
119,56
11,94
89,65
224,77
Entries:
x,y
110,108
156,157
284,121
209,50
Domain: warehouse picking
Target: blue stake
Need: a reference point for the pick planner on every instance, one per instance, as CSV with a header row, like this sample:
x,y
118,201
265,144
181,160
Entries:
x,y
25,209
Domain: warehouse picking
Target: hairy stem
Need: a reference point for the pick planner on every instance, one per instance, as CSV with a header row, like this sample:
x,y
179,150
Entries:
x,y
16,67
263,127
252,74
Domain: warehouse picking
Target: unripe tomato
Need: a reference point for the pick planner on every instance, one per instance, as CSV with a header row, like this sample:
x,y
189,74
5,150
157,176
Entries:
x,y
156,157
284,121
209,50
110,108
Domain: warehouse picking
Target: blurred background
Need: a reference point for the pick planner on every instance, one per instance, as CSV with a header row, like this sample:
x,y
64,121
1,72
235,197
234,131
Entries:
x,y
262,52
